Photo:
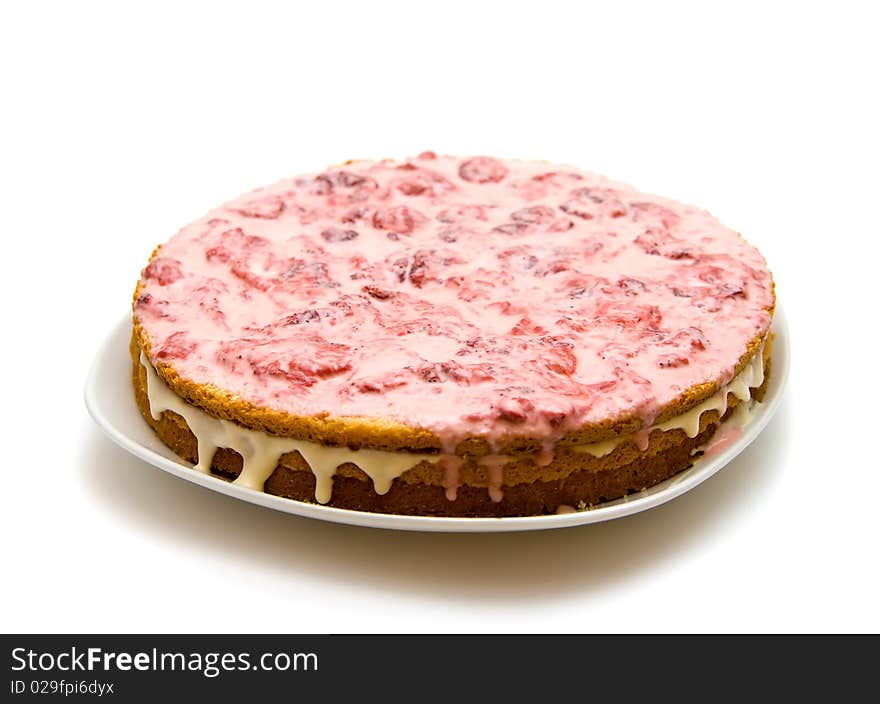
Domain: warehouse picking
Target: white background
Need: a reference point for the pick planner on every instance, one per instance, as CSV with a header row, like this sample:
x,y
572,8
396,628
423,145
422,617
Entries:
x,y
119,125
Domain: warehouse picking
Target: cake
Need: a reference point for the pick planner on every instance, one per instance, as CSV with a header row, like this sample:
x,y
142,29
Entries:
x,y
451,337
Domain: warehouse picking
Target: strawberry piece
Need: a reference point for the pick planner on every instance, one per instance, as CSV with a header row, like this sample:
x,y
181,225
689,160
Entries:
x,y
328,360
631,286
430,373
585,285
578,209
399,267
277,368
561,225
354,215
265,209
412,188
419,270
303,362
628,316
691,337
163,270
378,384
218,253
380,293
306,316
554,417
482,169
520,256
513,228
557,178
237,239
658,242
672,360
464,212
561,359
514,410
450,234
240,271
332,180
467,374
147,303
526,326
423,182
654,214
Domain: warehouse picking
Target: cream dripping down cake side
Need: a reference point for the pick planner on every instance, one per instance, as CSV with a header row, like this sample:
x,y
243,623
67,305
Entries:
x,y
451,336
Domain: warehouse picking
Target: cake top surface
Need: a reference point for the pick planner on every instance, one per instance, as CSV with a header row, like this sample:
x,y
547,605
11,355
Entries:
x,y
466,296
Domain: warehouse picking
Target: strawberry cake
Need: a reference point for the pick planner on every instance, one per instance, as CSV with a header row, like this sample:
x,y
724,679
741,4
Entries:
x,y
450,336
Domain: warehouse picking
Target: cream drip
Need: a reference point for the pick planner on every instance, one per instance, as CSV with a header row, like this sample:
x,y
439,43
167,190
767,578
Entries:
x,y
451,468
519,297
751,377
730,430
494,465
261,451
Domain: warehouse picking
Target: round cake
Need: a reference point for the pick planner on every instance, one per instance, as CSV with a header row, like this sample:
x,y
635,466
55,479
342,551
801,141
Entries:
x,y
451,336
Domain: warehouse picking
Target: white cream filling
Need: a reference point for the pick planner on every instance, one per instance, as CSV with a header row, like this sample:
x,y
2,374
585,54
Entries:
x,y
261,452
751,377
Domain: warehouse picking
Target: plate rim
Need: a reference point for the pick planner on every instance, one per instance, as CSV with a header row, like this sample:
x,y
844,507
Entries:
x,y
672,488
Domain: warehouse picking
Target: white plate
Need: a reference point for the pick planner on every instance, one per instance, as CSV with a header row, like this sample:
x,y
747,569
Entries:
x,y
110,401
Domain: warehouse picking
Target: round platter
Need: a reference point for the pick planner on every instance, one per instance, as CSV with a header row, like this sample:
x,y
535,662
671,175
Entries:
x,y
110,402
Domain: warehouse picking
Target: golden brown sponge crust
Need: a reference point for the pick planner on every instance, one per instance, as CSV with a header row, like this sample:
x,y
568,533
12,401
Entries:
x,y
571,479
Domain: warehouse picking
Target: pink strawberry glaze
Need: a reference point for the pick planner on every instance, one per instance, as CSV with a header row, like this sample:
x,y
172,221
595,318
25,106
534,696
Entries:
x,y
468,297
720,443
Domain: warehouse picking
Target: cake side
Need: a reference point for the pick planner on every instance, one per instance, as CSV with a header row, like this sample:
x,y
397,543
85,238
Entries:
x,y
570,479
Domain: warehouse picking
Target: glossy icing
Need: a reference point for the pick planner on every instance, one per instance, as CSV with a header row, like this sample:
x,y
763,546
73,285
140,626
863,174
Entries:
x,y
751,377
465,296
